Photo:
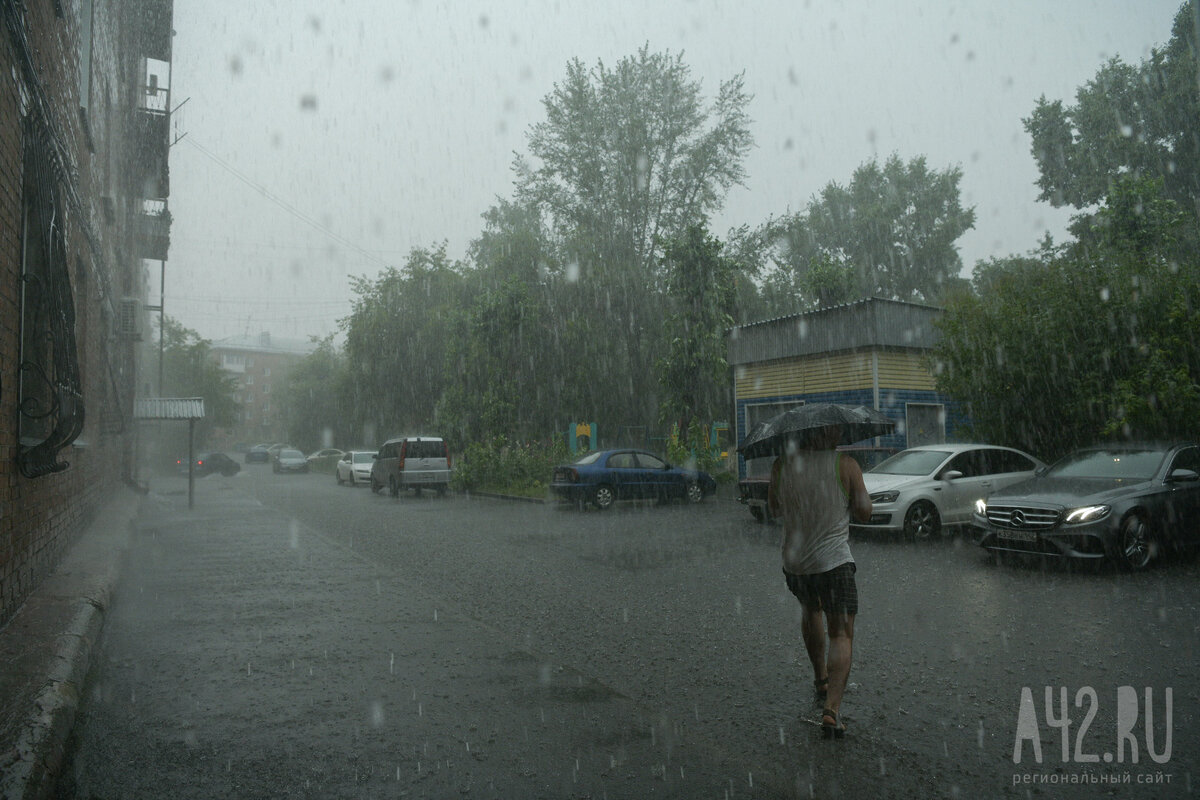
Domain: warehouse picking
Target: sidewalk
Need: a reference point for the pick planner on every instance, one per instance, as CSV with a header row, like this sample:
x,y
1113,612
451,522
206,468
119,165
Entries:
x,y
46,651
247,656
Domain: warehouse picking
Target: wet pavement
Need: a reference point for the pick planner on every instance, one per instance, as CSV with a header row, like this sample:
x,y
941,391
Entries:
x,y
289,638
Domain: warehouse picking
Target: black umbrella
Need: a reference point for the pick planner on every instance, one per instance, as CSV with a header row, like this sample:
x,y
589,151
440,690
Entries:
x,y
769,438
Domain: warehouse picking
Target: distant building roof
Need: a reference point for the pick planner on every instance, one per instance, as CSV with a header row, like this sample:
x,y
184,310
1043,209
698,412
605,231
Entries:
x,y
168,408
265,343
873,322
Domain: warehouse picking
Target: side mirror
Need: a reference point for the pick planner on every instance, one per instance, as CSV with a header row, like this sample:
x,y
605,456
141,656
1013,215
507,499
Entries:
x,y
1040,471
951,474
1183,476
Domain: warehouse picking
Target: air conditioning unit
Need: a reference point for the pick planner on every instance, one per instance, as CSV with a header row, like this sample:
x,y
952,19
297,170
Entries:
x,y
129,319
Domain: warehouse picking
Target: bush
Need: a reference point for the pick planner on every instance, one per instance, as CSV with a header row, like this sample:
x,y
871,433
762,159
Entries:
x,y
504,467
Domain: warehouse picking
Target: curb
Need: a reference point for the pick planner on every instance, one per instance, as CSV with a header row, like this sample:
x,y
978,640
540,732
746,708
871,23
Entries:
x,y
497,496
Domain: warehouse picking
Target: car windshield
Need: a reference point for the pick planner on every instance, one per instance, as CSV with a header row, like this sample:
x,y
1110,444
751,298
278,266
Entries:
x,y
290,454
912,462
1125,464
364,458
590,458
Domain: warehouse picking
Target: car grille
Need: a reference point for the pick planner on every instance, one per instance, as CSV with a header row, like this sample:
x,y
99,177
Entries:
x,y
1023,517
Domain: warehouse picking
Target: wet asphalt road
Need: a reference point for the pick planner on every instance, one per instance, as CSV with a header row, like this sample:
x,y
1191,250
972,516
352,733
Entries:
x,y
683,608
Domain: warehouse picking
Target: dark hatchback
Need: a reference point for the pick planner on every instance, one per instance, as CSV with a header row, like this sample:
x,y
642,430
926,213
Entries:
x,y
1126,502
605,476
208,463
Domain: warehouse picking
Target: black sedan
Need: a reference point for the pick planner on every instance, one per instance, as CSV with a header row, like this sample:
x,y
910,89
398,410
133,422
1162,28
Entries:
x,y
1127,502
604,476
208,463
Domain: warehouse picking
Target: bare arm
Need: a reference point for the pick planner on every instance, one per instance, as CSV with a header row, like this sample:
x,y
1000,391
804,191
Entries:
x,y
852,479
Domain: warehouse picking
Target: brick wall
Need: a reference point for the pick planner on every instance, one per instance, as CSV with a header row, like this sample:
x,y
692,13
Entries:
x,y
40,57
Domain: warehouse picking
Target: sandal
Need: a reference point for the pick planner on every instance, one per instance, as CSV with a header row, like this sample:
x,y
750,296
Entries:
x,y
831,726
820,688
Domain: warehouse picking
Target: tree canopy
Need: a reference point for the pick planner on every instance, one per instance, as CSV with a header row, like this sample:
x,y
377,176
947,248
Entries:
x,y
891,232
190,370
1139,120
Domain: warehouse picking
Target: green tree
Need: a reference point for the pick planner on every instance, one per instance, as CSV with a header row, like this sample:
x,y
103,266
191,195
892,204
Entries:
x,y
396,339
629,157
625,160
1094,339
1139,120
313,405
891,232
191,370
694,375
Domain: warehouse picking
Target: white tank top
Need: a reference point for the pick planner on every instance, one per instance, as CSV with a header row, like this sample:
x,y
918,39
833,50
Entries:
x,y
814,508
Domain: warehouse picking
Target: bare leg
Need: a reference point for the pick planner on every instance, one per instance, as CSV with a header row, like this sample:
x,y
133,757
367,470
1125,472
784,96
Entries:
x,y
841,647
812,630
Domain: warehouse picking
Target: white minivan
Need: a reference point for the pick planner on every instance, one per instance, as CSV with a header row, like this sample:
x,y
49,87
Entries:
x,y
412,462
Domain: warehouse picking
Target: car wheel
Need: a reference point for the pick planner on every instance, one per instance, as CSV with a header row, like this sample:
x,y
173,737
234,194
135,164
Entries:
x,y
338,477
603,497
694,493
921,522
376,487
1136,545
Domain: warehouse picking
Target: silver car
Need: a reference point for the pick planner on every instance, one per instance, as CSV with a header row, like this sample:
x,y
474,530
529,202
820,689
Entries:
x,y
288,460
354,467
923,492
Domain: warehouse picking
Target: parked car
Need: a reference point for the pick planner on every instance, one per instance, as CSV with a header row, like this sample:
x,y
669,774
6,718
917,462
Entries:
x,y
1126,502
605,476
274,449
328,452
412,462
258,454
923,492
752,489
354,467
207,464
290,460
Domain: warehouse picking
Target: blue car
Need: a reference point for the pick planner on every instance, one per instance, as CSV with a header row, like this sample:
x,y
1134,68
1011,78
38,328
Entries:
x,y
606,476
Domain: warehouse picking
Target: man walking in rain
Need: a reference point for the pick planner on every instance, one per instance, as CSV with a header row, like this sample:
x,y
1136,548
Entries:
x,y
814,491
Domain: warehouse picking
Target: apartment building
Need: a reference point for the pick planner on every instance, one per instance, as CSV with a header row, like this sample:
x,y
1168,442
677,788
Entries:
x,y
260,365
84,142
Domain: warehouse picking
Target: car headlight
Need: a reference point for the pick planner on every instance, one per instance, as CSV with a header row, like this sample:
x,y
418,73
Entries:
x,y
884,497
1086,514
981,507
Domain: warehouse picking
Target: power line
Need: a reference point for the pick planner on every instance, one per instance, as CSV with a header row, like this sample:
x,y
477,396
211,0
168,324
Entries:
x,y
279,201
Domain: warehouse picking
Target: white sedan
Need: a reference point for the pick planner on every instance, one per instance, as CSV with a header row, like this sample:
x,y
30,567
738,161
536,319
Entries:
x,y
925,491
354,467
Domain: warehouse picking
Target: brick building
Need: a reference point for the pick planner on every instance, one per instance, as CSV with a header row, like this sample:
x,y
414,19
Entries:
x,y
260,364
84,107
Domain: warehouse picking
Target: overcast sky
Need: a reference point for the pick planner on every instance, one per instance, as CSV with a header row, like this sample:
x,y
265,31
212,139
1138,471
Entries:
x,y
323,140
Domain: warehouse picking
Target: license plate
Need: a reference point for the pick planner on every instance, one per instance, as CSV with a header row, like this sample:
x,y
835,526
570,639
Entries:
x,y
1017,536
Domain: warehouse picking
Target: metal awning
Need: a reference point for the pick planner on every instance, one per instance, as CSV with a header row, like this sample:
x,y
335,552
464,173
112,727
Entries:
x,y
169,408
187,409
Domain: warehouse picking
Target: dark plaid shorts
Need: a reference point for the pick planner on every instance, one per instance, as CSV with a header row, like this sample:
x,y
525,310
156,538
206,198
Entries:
x,y
833,591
